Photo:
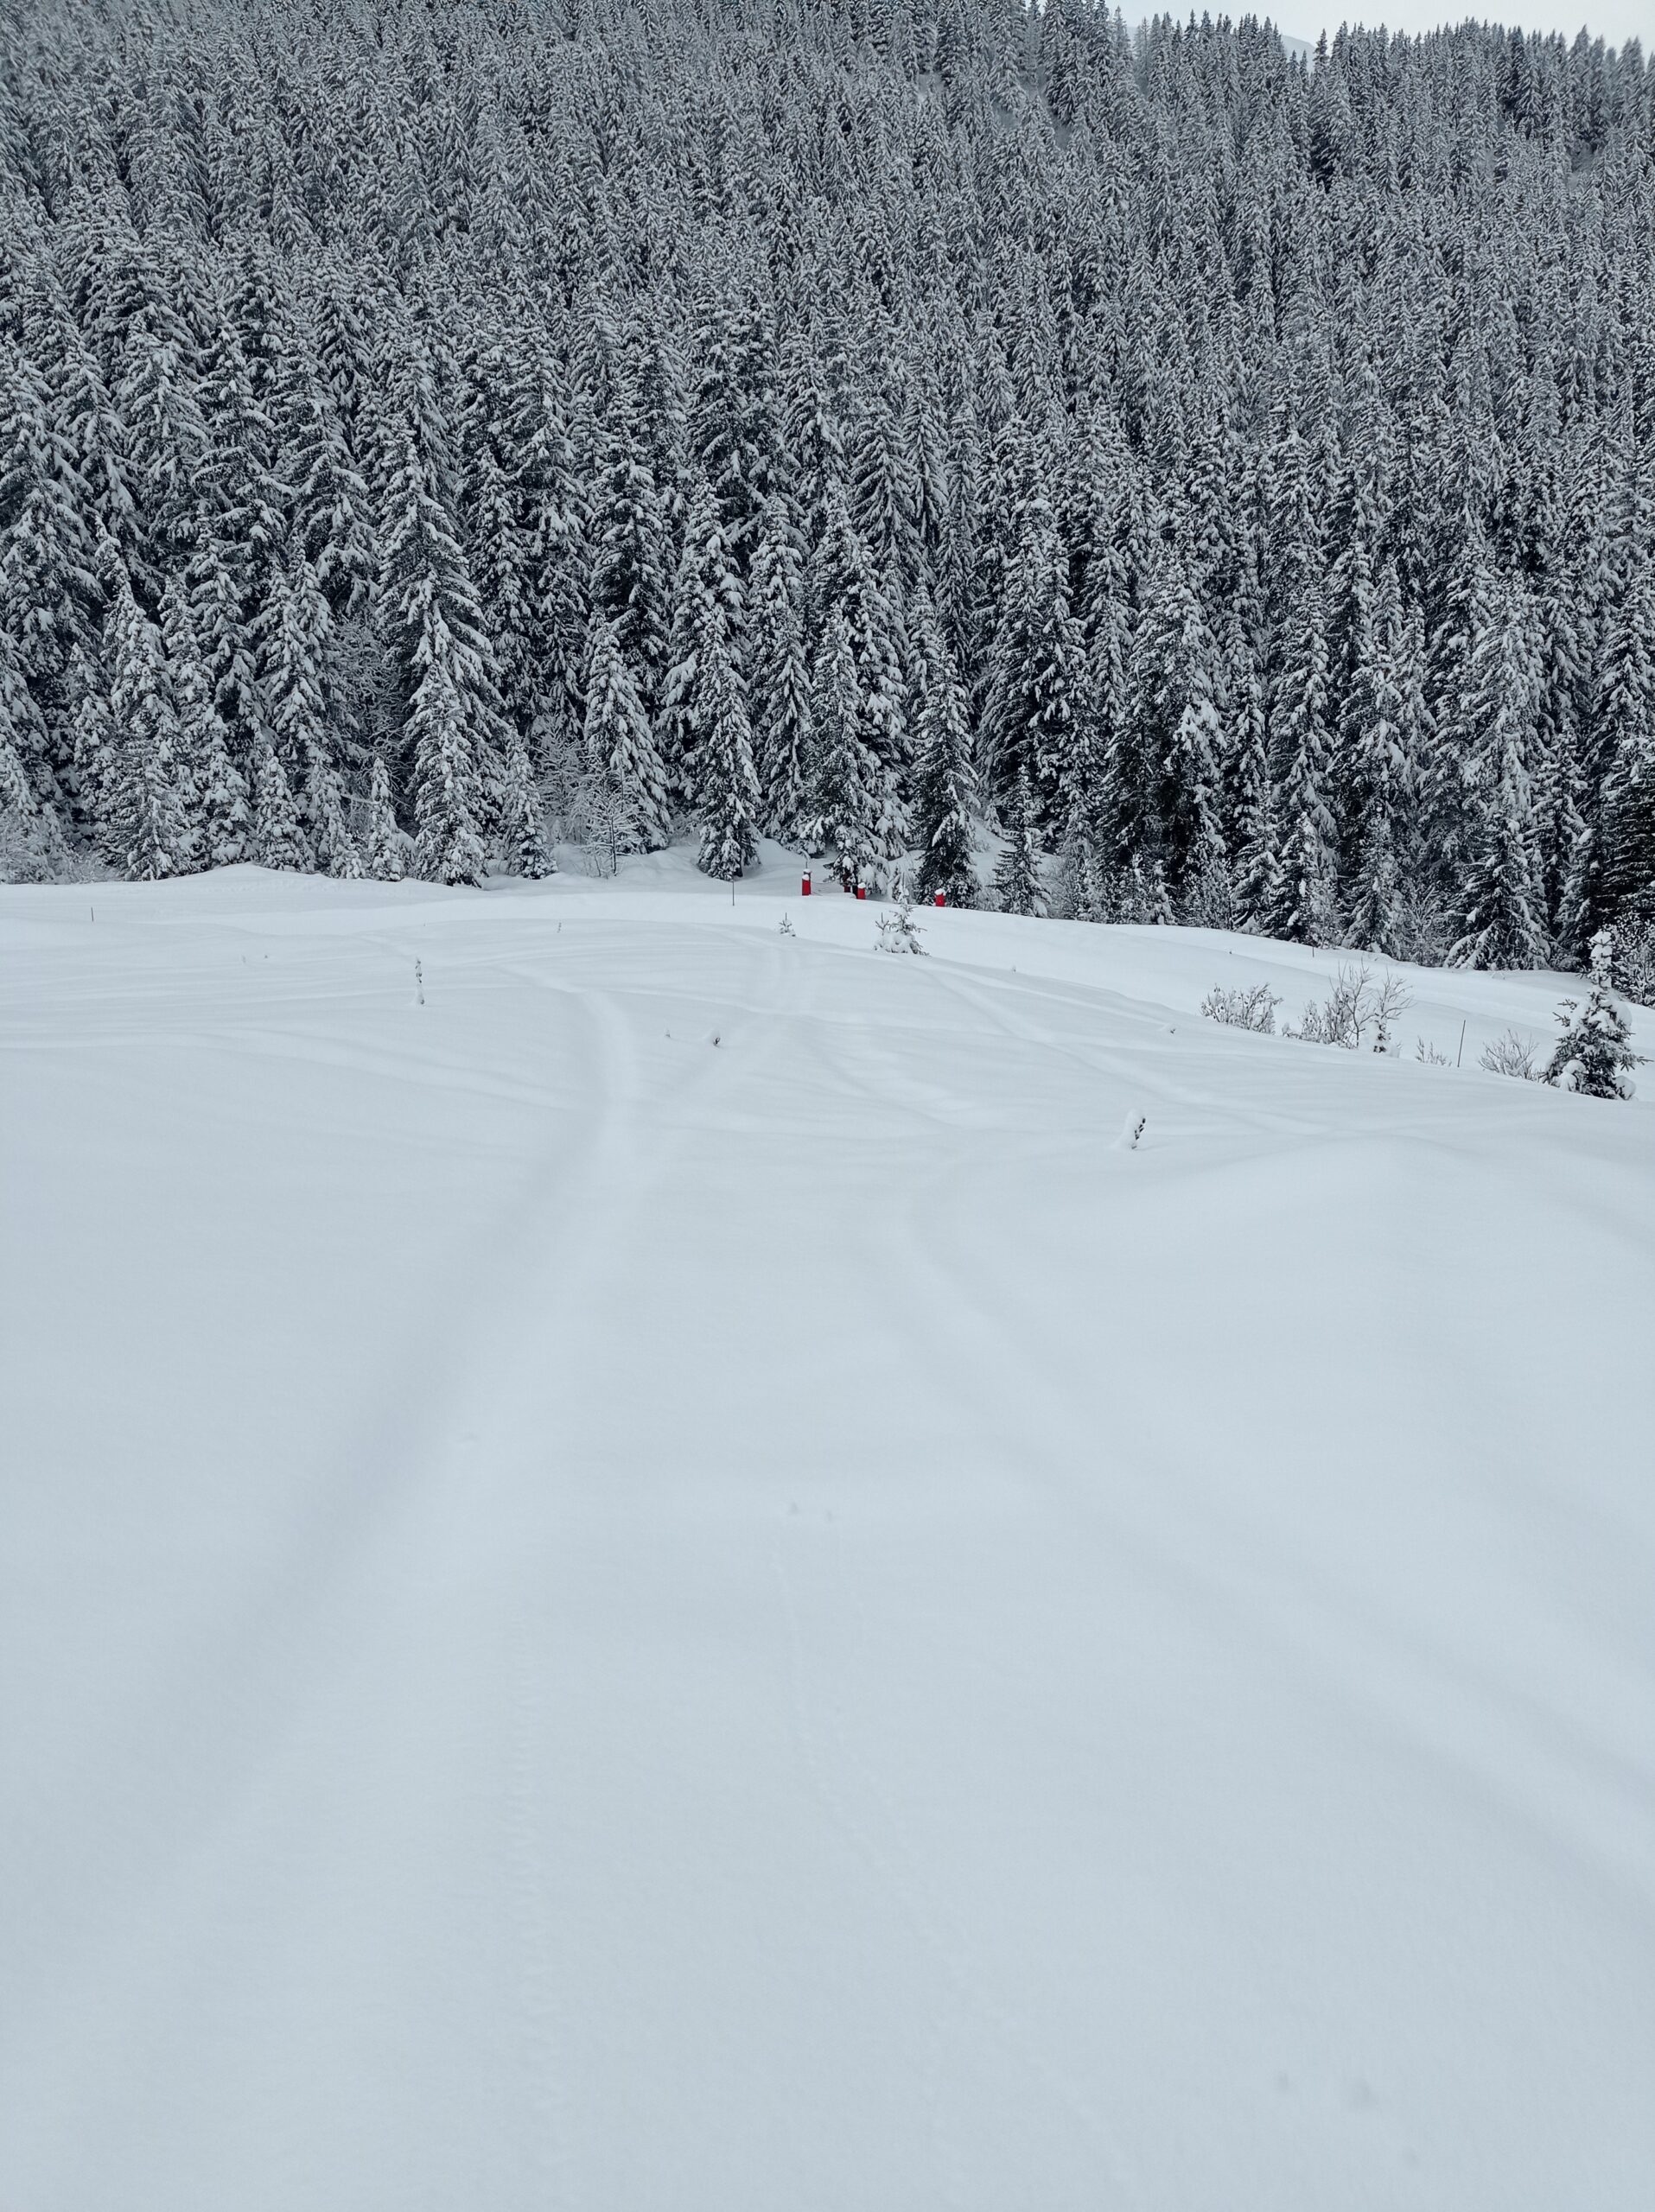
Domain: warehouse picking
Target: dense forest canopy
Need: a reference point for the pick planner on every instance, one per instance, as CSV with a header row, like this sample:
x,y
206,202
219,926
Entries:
x,y
426,427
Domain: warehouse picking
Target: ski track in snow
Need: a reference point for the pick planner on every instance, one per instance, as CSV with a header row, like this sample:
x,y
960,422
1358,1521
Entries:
x,y
593,1618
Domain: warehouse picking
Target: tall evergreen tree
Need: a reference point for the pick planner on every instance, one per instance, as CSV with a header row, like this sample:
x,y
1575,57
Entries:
x,y
619,743
1017,877
707,615
1502,912
1621,878
453,714
147,821
1307,908
522,834
1037,703
727,790
294,685
846,808
217,792
1166,792
944,775
783,737
385,842
630,565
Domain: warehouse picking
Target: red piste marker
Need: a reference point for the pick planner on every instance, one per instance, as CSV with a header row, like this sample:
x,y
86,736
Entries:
x,y
805,887
940,899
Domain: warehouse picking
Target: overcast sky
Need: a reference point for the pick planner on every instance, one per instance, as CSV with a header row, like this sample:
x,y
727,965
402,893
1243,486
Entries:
x,y
1613,21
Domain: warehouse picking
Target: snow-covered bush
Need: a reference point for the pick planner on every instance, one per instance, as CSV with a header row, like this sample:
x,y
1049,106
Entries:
x,y
1356,1008
1246,1007
1513,1055
1428,1055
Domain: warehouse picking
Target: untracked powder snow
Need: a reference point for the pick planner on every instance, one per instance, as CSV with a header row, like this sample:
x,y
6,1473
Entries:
x,y
654,1563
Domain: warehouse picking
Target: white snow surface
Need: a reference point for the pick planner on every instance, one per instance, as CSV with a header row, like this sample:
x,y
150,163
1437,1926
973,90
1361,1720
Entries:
x,y
676,1579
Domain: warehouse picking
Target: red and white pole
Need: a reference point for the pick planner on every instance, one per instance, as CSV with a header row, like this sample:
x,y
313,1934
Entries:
x,y
940,899
805,887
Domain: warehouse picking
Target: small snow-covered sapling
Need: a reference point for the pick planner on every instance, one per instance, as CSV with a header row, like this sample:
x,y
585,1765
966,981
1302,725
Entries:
x,y
1594,1055
898,932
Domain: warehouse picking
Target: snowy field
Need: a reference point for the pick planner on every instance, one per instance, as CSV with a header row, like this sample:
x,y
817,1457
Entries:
x,y
672,1582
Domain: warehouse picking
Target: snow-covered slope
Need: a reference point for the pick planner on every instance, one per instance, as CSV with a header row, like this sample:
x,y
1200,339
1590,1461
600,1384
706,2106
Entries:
x,y
672,1580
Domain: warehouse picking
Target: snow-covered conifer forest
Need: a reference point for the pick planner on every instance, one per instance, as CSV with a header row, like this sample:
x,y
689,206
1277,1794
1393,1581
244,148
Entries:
x,y
1232,479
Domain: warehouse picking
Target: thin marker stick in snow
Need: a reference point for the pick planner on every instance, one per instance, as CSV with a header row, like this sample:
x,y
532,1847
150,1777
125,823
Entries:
x,y
1460,1055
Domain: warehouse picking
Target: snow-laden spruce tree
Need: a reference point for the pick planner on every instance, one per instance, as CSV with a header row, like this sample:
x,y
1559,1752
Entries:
x,y
1502,916
707,614
619,743
778,687
558,555
1594,1055
295,643
147,826
384,843
92,750
452,726
846,585
944,773
1624,874
1038,696
497,541
18,719
167,445
522,834
1307,908
880,466
1165,786
631,562
449,795
1379,740
332,513
732,427
48,586
726,788
218,789
278,840
845,809
1018,876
